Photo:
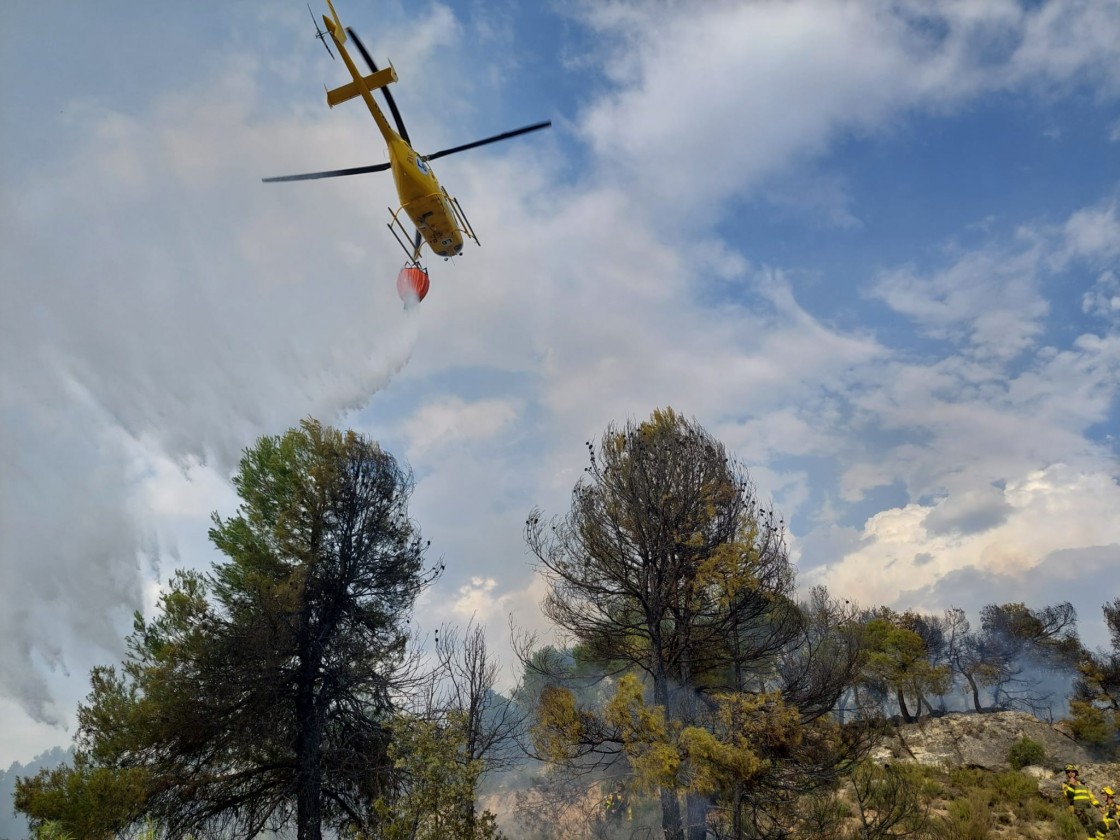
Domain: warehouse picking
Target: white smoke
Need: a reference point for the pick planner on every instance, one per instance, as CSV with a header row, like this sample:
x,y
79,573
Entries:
x,y
161,303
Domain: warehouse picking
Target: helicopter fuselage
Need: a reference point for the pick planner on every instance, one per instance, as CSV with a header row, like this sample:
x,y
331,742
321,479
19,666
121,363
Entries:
x,y
426,202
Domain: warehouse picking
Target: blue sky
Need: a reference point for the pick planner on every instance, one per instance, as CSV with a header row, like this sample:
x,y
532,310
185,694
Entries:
x,y
874,247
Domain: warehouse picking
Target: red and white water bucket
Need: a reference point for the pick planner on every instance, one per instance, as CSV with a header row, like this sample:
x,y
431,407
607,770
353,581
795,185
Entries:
x,y
412,284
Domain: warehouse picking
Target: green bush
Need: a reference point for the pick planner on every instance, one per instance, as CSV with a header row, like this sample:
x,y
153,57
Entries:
x,y
1026,751
52,830
968,819
1091,725
966,778
1068,828
1039,810
1014,788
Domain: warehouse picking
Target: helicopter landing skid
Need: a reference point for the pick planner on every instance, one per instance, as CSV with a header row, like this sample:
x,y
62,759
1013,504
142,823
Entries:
x,y
398,229
461,218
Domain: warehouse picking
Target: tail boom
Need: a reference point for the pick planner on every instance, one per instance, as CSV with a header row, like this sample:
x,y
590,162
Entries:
x,y
335,27
367,84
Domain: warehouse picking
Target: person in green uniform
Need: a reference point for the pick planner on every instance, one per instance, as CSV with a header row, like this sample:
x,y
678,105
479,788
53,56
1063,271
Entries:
x,y
1082,804
1110,813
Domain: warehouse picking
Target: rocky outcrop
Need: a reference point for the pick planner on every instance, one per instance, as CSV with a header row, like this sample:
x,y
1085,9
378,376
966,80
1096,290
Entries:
x,y
977,740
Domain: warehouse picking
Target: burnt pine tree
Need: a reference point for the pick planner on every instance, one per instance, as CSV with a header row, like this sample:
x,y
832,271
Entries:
x,y
975,657
903,650
1095,703
262,691
667,566
1025,644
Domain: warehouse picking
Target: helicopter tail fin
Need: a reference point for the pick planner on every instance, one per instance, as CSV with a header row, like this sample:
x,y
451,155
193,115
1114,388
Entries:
x,y
371,82
335,26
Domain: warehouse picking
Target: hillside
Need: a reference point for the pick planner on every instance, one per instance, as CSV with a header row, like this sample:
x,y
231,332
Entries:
x,y
956,767
981,741
962,762
958,764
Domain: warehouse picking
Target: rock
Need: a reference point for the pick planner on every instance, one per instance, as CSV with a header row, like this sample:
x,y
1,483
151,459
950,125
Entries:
x,y
977,740
1063,726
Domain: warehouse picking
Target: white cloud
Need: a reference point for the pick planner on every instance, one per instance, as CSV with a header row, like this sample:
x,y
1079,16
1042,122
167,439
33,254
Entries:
x,y
452,421
1068,41
157,318
186,489
756,89
987,300
477,600
1094,232
1103,299
1039,513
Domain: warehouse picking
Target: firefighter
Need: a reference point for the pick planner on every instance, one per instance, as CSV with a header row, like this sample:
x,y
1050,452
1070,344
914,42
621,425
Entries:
x,y
1082,803
612,806
1110,812
624,801
617,805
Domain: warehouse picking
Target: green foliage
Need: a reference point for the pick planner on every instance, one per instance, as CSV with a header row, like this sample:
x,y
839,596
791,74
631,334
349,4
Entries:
x,y
721,749
647,736
1024,752
1091,725
965,778
51,830
822,816
979,803
266,684
969,818
83,800
1095,706
668,566
888,801
435,799
1067,827
1013,787
897,656
961,803
558,728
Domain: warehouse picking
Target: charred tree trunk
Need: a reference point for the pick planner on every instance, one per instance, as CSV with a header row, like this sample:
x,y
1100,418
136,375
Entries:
x,y
922,701
906,717
737,812
670,805
671,815
975,692
696,816
309,776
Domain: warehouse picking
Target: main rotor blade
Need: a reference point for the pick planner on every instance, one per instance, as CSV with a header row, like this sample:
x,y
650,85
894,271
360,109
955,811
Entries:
x,y
334,173
505,136
385,90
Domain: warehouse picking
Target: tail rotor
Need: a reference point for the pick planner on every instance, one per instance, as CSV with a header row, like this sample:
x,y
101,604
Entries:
x,y
319,33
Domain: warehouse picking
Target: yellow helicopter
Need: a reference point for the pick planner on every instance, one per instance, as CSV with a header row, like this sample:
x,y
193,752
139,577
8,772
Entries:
x,y
437,216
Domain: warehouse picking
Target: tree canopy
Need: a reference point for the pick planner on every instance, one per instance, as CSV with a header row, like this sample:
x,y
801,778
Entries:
x,y
281,688
264,690
669,572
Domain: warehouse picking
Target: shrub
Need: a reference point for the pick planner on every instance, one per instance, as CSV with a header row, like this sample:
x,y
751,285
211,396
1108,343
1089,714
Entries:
x,y
1068,828
1014,788
968,819
1026,751
1091,725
